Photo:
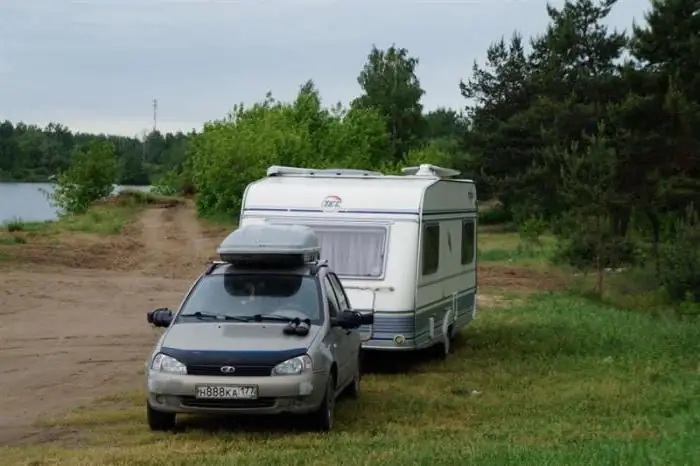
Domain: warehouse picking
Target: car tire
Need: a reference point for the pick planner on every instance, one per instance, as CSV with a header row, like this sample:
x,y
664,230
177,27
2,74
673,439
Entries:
x,y
158,420
322,418
353,390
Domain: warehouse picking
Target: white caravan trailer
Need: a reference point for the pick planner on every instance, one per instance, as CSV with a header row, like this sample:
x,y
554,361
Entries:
x,y
403,246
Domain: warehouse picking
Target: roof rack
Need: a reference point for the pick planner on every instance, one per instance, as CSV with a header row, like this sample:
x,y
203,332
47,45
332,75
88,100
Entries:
x,y
426,169
212,265
279,170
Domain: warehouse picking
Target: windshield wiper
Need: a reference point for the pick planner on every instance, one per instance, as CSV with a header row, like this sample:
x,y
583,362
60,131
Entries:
x,y
206,315
270,317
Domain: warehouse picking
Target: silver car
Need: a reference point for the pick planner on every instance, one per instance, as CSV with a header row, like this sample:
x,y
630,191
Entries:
x,y
256,341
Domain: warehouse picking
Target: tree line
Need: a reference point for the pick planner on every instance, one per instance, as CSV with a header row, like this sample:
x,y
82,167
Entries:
x,y
585,130
34,154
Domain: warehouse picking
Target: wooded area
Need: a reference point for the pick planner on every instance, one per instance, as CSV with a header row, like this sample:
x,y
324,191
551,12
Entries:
x,y
591,132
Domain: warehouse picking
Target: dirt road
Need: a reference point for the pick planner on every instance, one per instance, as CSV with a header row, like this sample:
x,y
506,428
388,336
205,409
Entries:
x,y
72,312
75,329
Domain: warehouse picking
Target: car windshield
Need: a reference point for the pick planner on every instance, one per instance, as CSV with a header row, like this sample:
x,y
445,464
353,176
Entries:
x,y
233,296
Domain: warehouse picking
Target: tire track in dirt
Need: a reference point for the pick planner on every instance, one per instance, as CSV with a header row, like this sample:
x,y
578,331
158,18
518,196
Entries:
x,y
175,243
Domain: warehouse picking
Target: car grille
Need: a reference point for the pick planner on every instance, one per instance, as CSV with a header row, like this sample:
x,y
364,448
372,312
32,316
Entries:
x,y
241,371
193,402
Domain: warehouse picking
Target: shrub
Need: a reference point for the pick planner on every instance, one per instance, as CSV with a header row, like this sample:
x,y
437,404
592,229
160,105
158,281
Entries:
x,y
495,215
90,177
579,250
680,261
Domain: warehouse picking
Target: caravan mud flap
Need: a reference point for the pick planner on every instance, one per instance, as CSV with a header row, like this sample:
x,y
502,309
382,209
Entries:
x,y
447,326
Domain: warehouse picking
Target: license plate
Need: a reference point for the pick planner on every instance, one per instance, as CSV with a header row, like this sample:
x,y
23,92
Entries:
x,y
227,392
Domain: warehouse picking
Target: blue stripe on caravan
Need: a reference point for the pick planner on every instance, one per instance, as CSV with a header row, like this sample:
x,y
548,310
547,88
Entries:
x,y
386,326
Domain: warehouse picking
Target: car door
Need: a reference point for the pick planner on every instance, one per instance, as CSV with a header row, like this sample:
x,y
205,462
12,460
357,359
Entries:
x,y
351,339
336,335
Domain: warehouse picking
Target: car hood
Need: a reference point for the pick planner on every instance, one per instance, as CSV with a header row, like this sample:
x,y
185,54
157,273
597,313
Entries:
x,y
217,336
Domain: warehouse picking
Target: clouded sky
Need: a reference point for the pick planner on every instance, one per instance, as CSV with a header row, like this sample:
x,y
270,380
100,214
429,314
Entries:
x,y
96,65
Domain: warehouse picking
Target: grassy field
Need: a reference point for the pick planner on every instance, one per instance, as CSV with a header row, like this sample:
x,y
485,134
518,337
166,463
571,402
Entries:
x,y
552,380
542,379
507,248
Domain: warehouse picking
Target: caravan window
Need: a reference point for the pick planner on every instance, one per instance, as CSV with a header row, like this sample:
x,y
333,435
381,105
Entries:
x,y
468,241
353,252
431,248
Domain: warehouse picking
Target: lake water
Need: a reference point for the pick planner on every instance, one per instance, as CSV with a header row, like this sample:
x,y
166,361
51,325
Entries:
x,y
30,201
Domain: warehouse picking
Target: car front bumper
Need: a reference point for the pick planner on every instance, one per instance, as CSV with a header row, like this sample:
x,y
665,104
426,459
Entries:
x,y
296,394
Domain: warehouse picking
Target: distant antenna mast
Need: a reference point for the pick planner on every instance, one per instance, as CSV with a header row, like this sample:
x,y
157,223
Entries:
x,y
155,115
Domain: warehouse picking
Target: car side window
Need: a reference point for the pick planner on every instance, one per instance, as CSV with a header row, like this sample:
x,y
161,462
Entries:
x,y
330,297
343,300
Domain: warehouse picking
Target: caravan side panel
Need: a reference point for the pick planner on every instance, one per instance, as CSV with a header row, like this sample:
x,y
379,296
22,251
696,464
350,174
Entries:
x,y
446,286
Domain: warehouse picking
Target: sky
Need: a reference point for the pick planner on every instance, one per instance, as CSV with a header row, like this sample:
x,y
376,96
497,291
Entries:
x,y
97,65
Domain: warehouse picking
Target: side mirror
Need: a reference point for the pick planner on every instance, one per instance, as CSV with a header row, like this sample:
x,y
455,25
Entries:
x,y
353,319
161,317
366,318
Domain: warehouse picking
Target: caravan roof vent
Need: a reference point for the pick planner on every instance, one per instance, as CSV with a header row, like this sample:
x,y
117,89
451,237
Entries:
x,y
426,169
277,170
270,245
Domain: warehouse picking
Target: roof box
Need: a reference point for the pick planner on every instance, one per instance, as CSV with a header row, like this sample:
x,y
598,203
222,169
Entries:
x,y
270,245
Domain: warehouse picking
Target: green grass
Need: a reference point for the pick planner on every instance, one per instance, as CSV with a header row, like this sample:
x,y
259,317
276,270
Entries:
x,y
561,380
12,239
99,219
104,218
17,225
507,247
219,221
637,289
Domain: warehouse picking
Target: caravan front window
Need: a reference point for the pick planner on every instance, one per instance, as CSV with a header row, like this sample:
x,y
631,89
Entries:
x,y
353,251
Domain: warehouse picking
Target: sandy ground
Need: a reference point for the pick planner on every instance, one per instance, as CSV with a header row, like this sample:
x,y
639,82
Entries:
x,y
74,328
72,313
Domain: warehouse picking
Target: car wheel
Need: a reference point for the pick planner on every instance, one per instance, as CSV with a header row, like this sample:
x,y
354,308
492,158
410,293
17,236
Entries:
x,y
353,390
322,418
158,420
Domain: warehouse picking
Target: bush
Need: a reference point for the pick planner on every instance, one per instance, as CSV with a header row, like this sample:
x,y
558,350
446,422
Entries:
x,y
680,262
91,176
530,230
231,153
579,251
496,215
169,184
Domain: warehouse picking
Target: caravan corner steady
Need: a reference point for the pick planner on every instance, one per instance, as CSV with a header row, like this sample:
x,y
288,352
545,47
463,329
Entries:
x,y
403,246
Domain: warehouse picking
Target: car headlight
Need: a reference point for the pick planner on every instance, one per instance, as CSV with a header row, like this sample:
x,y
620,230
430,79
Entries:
x,y
168,365
294,366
